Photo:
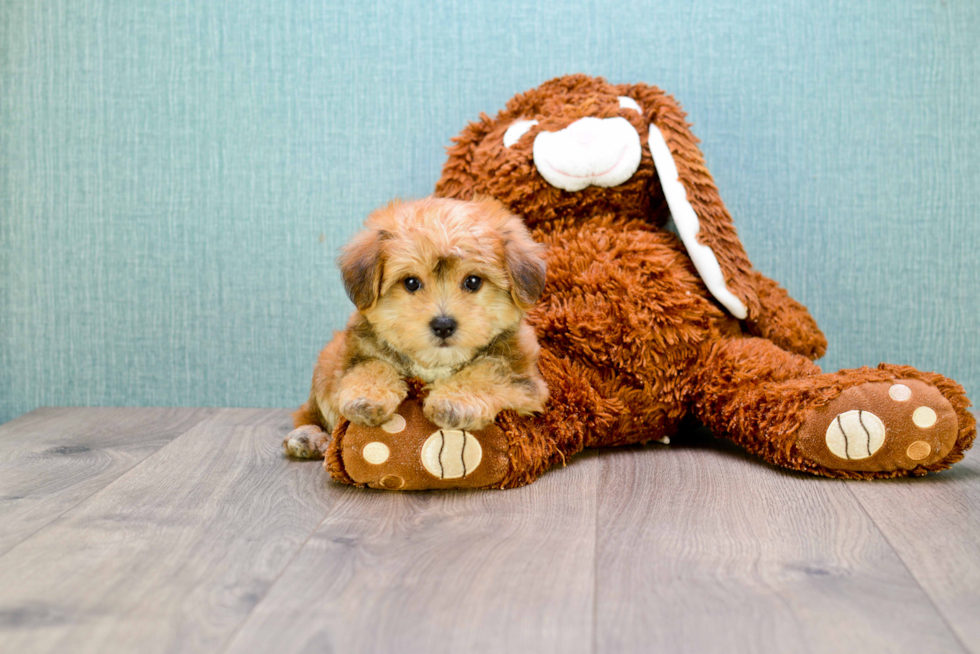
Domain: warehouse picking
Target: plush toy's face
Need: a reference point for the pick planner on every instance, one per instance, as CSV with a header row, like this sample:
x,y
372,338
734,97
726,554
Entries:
x,y
573,145
578,149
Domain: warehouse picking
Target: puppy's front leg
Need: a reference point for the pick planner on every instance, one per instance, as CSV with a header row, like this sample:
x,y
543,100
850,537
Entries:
x,y
472,398
369,393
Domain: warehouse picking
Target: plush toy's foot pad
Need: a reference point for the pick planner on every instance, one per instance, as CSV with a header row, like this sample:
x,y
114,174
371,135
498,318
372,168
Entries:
x,y
880,427
306,442
410,453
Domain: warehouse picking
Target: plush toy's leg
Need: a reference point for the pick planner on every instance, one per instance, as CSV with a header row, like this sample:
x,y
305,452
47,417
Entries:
x,y
886,422
585,409
413,454
784,321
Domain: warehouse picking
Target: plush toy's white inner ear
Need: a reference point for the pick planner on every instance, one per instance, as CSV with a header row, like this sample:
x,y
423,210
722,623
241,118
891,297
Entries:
x,y
629,103
518,129
688,225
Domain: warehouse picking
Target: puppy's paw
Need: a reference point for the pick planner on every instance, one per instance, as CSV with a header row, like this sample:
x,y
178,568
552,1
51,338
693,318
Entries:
x,y
469,414
369,407
306,442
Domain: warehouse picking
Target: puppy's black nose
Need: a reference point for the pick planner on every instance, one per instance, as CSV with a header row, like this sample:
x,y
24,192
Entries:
x,y
443,326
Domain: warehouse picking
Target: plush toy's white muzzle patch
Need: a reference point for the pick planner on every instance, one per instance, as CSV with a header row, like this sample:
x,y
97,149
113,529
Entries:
x,y
589,152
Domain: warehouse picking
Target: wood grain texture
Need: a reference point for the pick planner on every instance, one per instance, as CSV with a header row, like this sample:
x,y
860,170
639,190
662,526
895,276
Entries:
x,y
174,554
934,526
215,542
52,459
442,572
702,549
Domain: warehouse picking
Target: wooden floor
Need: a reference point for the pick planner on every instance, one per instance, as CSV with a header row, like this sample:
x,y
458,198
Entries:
x,y
185,530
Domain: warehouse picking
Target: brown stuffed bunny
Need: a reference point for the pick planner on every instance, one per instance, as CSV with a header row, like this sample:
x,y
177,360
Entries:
x,y
640,327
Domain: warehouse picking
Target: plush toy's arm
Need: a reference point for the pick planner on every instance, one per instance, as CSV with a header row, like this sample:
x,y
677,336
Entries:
x,y
784,321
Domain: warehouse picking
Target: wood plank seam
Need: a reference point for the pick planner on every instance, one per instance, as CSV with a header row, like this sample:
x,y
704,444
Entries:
x,y
231,637
915,577
243,440
595,556
208,412
339,580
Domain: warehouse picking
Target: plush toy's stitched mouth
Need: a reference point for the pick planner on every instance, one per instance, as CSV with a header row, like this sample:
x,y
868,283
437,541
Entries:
x,y
619,160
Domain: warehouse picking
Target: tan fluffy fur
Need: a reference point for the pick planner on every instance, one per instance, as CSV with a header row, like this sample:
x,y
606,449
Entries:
x,y
487,365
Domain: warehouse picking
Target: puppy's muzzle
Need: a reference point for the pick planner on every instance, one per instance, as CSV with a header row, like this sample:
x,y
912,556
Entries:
x,y
443,326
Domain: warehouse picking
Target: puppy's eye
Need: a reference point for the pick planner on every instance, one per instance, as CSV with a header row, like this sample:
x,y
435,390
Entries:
x,y
472,283
412,284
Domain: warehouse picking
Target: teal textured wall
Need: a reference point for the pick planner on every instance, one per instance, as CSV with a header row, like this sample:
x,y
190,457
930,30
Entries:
x,y
175,177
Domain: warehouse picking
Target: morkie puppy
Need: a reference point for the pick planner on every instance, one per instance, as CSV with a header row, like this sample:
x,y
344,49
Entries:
x,y
441,289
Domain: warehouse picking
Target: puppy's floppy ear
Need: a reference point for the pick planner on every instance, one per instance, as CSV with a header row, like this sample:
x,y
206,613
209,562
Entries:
x,y
523,256
527,270
361,263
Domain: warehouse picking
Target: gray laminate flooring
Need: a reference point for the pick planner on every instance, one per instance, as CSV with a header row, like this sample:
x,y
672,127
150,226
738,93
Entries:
x,y
186,530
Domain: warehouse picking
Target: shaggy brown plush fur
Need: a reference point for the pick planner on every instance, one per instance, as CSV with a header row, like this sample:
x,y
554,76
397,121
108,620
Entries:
x,y
632,341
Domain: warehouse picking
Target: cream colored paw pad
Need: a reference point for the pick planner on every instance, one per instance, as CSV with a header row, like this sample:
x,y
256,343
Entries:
x,y
855,435
451,454
899,392
392,482
881,427
376,453
924,417
918,450
395,425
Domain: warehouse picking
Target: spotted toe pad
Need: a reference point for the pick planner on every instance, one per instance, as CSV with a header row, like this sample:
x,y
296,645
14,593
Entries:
x,y
410,453
880,427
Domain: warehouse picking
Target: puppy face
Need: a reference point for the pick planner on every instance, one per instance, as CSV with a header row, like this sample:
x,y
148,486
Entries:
x,y
439,279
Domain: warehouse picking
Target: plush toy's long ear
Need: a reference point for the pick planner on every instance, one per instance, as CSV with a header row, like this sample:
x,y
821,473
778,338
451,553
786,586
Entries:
x,y
702,220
